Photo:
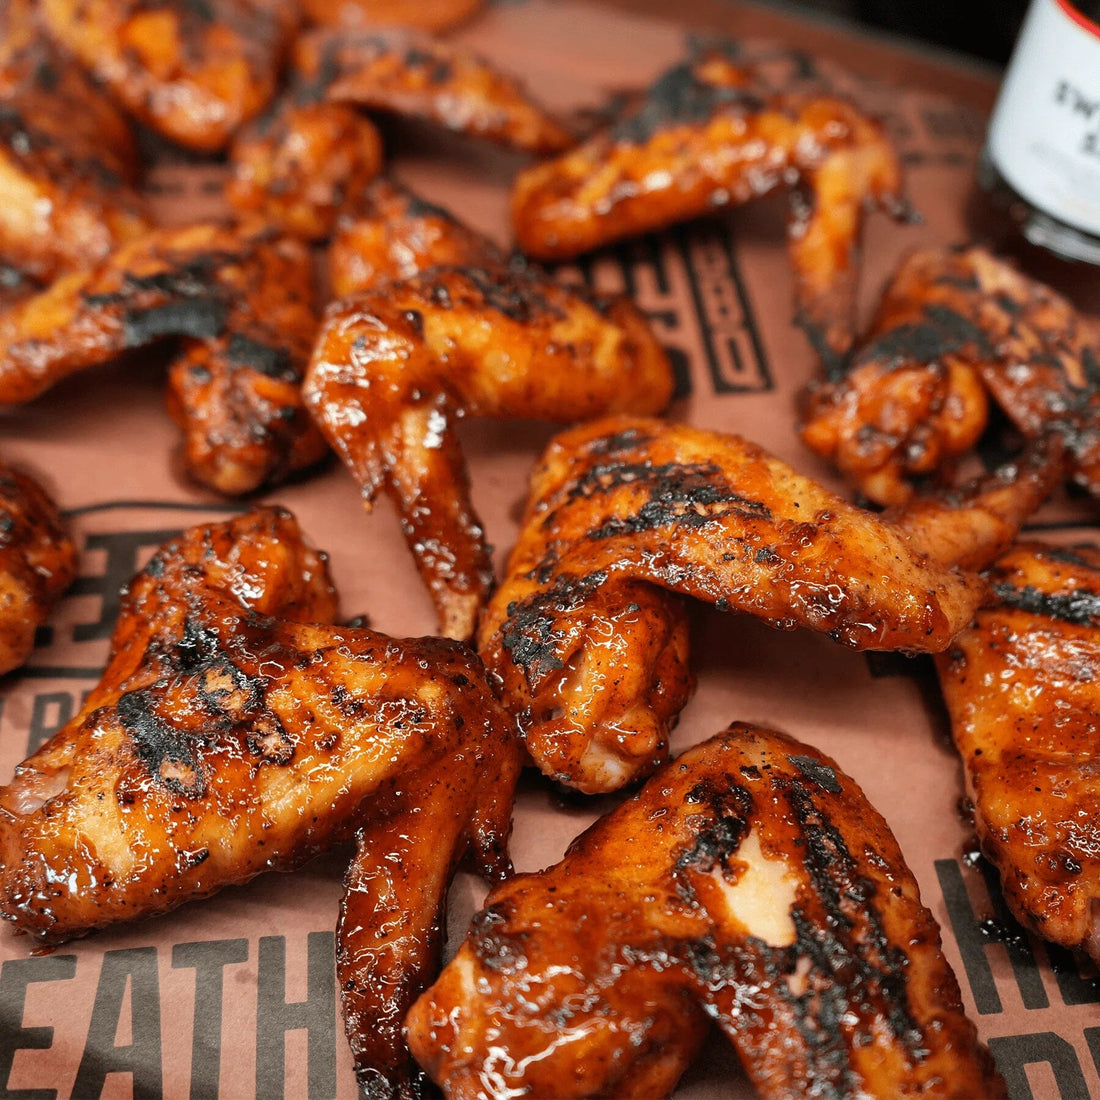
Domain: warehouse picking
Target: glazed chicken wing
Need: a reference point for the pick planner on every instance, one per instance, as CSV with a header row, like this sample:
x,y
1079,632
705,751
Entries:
x,y
236,730
37,563
750,881
1021,688
422,77
395,367
389,234
243,303
586,633
953,329
68,161
194,72
707,136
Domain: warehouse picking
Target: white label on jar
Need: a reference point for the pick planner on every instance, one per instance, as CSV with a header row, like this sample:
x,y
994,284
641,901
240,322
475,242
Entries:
x,y
1045,133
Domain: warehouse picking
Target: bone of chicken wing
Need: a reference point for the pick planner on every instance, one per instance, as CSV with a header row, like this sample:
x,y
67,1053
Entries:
x,y
243,302
421,77
67,158
395,367
749,881
390,234
193,72
37,563
592,651
954,328
236,730
1021,688
707,136
296,167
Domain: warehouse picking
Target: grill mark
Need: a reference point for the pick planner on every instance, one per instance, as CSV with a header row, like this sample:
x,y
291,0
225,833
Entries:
x,y
167,753
274,362
195,317
1079,607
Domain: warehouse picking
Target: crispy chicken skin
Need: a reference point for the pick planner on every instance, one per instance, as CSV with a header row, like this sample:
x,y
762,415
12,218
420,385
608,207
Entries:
x,y
586,632
418,76
388,233
706,136
37,563
243,303
194,72
427,15
296,166
394,368
1021,688
236,730
750,881
955,328
68,161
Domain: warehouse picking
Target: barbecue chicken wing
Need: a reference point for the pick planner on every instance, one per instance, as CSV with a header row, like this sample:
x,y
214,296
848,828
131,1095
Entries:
x,y
37,563
954,329
421,77
194,72
237,730
587,634
389,233
296,167
1021,688
68,161
395,367
749,881
427,15
706,136
242,302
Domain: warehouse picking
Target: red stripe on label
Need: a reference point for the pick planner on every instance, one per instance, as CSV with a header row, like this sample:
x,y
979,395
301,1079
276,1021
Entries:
x,y
1083,21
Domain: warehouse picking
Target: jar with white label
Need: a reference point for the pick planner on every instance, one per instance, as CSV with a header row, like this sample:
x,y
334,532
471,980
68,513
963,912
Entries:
x,y
1041,163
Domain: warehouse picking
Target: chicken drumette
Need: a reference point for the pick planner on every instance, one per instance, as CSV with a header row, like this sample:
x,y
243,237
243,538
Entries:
x,y
751,882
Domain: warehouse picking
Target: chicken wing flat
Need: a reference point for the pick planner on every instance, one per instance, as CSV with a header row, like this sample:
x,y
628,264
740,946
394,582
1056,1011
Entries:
x,y
37,563
236,730
68,161
1021,688
395,367
389,234
708,136
243,303
426,15
586,633
418,76
955,328
750,881
296,166
194,72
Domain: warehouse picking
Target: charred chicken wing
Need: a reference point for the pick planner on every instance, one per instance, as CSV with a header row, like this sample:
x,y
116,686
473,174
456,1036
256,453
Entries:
x,y
37,563
68,161
588,639
954,329
751,882
243,303
395,367
1021,688
192,71
421,77
707,136
236,730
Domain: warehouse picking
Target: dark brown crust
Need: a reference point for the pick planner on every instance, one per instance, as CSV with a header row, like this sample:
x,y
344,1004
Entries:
x,y
37,563
829,971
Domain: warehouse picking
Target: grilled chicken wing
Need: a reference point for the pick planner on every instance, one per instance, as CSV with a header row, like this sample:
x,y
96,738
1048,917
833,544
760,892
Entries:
x,y
236,730
296,166
37,563
67,157
422,77
1021,688
708,136
389,234
592,657
750,881
395,367
428,15
192,71
954,328
242,301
